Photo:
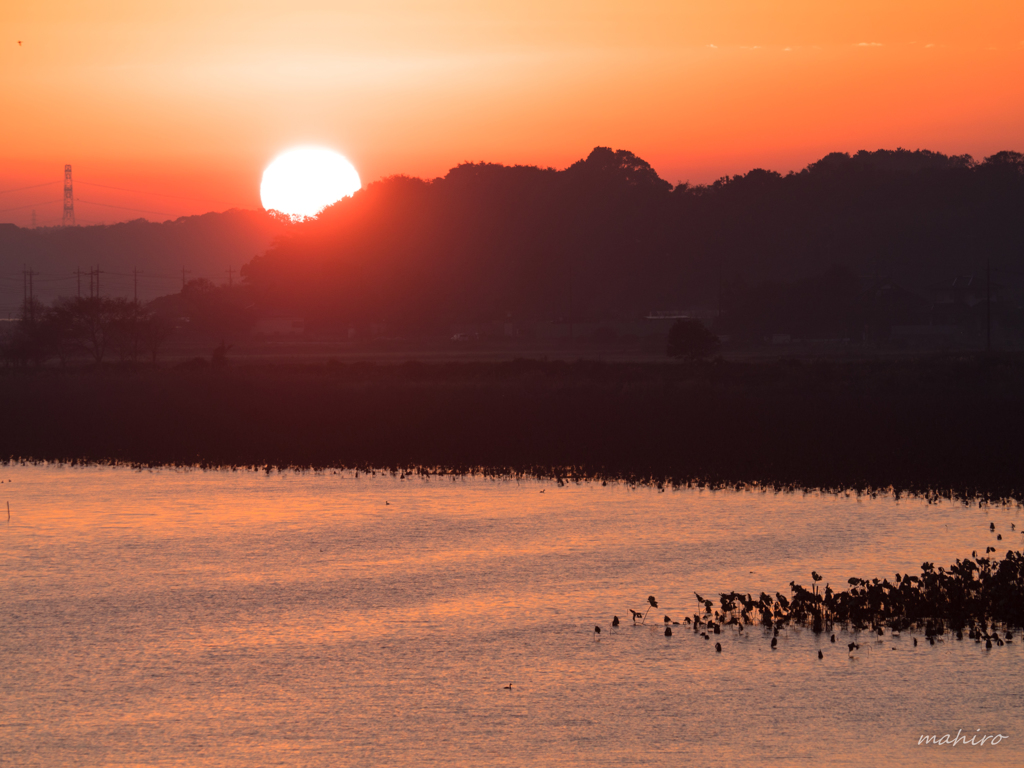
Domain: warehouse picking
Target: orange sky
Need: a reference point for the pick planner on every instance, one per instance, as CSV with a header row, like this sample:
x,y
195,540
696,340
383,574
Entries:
x,y
192,99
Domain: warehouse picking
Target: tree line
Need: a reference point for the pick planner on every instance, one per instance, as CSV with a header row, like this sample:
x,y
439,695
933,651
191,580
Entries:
x,y
607,237
97,329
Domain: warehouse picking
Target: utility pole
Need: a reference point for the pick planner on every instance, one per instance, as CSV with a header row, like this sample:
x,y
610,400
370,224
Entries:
x,y
570,303
29,311
719,293
988,305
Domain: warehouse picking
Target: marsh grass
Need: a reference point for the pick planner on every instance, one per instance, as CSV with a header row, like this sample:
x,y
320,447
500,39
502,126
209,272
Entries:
x,y
939,428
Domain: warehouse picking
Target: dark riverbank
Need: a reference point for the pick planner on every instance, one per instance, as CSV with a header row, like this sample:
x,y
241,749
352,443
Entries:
x,y
943,427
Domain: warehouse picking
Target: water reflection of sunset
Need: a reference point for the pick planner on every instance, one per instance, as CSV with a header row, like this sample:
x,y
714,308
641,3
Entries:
x,y
247,611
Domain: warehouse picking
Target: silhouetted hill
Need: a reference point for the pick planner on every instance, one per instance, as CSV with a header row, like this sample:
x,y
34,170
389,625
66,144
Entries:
x,y
606,237
206,246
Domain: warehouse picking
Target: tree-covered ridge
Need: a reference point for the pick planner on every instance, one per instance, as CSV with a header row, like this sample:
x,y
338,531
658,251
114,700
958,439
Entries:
x,y
606,237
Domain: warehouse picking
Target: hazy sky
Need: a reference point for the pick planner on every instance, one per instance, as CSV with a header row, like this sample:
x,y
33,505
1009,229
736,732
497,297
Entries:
x,y
192,99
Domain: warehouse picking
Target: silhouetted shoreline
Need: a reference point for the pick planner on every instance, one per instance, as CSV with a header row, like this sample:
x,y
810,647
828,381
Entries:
x,y
939,427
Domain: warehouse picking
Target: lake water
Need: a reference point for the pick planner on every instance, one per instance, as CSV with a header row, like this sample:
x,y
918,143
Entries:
x,y
197,618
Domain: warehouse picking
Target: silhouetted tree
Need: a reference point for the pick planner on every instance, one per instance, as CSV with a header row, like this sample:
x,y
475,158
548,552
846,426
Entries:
x,y
689,338
90,322
219,358
154,332
217,310
57,331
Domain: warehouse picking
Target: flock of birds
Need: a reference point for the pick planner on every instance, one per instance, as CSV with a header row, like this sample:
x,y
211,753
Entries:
x,y
980,597
702,626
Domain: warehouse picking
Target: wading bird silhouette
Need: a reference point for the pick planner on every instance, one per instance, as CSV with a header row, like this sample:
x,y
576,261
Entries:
x,y
718,647
652,603
597,631
775,643
636,614
821,655
615,621
668,631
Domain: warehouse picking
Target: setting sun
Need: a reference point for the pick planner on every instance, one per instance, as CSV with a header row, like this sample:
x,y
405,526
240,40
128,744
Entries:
x,y
305,180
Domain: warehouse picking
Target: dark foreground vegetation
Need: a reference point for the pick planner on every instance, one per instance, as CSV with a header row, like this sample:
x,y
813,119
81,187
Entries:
x,y
942,427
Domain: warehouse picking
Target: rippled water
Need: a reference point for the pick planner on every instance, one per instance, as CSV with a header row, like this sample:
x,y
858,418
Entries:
x,y
240,619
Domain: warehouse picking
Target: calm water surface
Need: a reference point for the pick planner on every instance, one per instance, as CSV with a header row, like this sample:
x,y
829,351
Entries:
x,y
187,618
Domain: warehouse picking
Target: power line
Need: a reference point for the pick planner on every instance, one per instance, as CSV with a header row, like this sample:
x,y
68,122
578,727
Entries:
x,y
30,205
54,279
34,186
125,208
158,194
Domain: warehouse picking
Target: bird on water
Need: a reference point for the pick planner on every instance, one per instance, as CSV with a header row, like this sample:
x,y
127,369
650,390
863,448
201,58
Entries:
x,y
821,655
615,621
508,687
718,647
668,631
597,631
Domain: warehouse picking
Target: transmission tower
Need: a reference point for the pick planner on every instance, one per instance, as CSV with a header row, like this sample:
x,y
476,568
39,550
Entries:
x,y
69,200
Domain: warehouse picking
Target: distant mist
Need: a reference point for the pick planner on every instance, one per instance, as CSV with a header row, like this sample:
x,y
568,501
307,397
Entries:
x,y
205,246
